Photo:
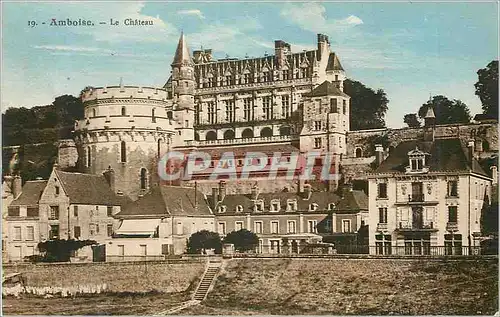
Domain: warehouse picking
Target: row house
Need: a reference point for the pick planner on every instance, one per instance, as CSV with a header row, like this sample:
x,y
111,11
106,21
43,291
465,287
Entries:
x,y
287,217
66,206
426,197
159,223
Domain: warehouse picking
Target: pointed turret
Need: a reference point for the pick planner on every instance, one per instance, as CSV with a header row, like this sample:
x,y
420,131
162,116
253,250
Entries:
x,y
182,56
430,117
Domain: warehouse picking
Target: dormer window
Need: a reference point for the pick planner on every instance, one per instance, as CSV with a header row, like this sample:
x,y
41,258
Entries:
x,y
331,206
222,209
275,205
291,205
313,207
259,206
416,159
239,208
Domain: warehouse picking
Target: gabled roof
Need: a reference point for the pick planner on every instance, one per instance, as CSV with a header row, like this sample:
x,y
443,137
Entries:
x,y
89,189
445,155
30,196
333,63
352,202
164,201
326,89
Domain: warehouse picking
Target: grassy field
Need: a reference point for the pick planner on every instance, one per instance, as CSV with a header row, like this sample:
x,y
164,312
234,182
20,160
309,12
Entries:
x,y
308,286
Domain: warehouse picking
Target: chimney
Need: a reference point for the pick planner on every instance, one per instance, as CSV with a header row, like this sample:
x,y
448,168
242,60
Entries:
x,y
215,197
494,174
197,56
307,191
208,55
109,175
222,190
379,154
255,192
322,44
281,49
470,146
346,189
17,186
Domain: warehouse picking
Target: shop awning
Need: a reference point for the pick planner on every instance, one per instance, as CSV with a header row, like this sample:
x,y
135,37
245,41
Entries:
x,y
138,227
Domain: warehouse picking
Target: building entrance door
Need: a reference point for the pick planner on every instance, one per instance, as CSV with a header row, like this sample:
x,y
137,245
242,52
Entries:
x,y
275,246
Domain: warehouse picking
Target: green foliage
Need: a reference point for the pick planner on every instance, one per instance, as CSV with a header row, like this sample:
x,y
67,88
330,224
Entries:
x,y
41,124
446,111
202,240
411,120
243,240
61,250
368,107
487,88
489,217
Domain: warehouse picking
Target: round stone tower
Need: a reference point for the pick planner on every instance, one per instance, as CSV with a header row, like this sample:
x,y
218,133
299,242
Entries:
x,y
127,128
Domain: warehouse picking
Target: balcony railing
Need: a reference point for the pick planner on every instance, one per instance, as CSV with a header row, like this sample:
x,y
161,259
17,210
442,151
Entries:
x,y
451,226
276,138
381,226
416,198
412,226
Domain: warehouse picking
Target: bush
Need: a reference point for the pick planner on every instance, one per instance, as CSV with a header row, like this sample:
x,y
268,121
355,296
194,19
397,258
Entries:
x,y
203,240
243,240
60,250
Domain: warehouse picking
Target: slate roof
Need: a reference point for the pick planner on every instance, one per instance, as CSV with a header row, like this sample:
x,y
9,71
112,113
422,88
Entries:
x,y
182,52
446,155
333,62
30,196
164,201
352,202
326,89
89,189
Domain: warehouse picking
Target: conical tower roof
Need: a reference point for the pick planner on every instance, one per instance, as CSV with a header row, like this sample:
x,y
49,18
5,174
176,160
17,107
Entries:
x,y
430,113
182,55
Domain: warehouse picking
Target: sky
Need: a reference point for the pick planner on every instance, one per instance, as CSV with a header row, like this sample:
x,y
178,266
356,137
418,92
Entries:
x,y
411,50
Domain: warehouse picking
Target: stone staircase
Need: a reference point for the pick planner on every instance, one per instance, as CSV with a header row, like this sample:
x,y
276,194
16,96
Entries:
x,y
213,268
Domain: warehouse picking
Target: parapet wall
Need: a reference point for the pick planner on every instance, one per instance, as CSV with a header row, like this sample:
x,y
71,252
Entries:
x,y
124,92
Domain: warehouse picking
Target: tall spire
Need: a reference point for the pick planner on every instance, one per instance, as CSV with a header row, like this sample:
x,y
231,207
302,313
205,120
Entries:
x,y
182,55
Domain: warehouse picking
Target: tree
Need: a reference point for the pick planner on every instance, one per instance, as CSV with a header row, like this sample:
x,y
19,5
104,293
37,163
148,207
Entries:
x,y
487,89
368,107
202,240
61,250
243,240
446,111
411,120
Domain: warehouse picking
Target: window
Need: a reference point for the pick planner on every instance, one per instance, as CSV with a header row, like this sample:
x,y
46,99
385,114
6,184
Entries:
x,y
382,190
57,190
17,233
94,112
291,226
266,108
246,78
359,152
228,80
170,115
317,125
328,226
54,213
121,250
123,152
13,211
230,111
32,212
164,249
144,178
285,74
382,215
153,117
75,211
212,112
144,249
275,205
453,188
452,214
257,226
222,209
30,233
238,225
317,143
383,244
311,226
77,232
344,107
259,206
291,205
331,206
346,225
313,207
92,229
285,106
416,164
239,208
89,156
54,232
247,109
109,230
109,211
180,228
333,105
124,111
274,227
221,228
453,244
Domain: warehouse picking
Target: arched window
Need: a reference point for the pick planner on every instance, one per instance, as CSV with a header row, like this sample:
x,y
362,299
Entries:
x,y
266,132
123,152
228,135
153,118
89,156
196,136
124,111
211,136
144,178
285,131
159,146
359,153
247,134
94,112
